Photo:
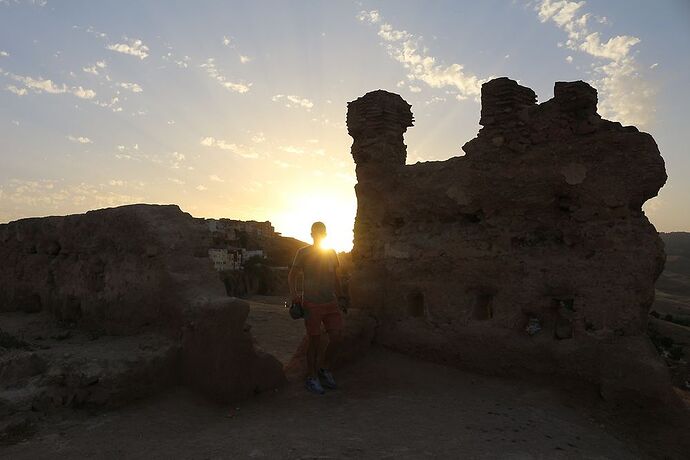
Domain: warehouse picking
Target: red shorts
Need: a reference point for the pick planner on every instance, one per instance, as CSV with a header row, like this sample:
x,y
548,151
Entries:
x,y
326,313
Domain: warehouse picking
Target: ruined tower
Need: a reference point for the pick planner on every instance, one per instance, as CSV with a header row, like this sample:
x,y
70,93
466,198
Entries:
x,y
530,253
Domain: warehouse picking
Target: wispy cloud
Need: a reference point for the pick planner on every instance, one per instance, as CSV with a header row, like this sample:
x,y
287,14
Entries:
x,y
215,178
407,49
21,198
624,94
39,3
41,85
4,53
133,87
80,139
244,59
291,149
240,150
133,47
177,160
95,68
290,100
17,91
182,62
213,72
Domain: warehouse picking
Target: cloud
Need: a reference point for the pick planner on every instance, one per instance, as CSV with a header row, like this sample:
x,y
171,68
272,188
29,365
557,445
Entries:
x,y
624,94
94,69
116,182
178,159
133,47
39,3
258,138
4,53
291,149
41,85
182,63
21,198
176,181
17,91
133,87
615,48
226,41
407,49
215,178
91,69
201,188
213,72
223,145
569,59
291,100
80,139
244,59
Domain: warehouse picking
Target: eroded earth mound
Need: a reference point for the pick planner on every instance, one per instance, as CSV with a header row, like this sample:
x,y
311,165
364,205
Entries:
x,y
111,305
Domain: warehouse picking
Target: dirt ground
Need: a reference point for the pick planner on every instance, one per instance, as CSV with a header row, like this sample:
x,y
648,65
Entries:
x,y
388,406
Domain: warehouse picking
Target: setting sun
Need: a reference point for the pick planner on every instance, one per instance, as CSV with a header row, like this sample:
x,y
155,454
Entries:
x,y
337,211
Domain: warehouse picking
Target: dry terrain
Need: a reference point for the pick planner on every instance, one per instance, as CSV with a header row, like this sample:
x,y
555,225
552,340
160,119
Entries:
x,y
389,406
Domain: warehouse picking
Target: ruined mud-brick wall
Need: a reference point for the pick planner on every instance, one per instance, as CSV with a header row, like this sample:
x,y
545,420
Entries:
x,y
133,270
529,253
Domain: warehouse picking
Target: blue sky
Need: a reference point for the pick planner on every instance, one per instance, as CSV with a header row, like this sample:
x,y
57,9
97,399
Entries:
x,y
237,109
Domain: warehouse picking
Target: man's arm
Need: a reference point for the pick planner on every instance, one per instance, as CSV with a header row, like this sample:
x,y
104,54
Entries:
x,y
293,274
295,271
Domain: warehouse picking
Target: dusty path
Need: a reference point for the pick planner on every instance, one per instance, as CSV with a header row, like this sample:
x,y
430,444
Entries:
x,y
272,328
389,406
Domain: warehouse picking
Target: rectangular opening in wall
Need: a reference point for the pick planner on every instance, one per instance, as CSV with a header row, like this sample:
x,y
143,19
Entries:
x,y
415,304
483,307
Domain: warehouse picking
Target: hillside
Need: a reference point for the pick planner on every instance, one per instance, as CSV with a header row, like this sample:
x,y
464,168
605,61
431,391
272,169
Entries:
x,y
669,326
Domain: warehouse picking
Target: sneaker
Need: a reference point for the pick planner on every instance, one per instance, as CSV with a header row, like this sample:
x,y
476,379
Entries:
x,y
314,386
327,379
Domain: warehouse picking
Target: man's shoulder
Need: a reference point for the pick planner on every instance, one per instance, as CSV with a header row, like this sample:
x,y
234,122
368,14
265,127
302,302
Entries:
x,y
305,249
303,252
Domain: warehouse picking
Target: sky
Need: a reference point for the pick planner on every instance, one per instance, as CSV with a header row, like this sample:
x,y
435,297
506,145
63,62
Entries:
x,y
237,109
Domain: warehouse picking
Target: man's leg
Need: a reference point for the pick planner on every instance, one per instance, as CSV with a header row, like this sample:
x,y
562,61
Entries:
x,y
313,355
335,338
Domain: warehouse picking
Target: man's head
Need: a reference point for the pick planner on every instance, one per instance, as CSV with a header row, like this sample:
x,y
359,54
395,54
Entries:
x,y
318,232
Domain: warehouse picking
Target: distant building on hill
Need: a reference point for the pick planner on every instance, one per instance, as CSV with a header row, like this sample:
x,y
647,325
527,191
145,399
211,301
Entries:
x,y
226,258
232,258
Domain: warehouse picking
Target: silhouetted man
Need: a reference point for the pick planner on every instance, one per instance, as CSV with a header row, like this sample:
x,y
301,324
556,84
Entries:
x,y
322,299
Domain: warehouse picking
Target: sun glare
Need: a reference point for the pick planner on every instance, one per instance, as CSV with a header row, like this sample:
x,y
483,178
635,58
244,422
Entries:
x,y
337,212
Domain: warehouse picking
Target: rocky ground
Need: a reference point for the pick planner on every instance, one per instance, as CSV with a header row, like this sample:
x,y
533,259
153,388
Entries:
x,y
389,406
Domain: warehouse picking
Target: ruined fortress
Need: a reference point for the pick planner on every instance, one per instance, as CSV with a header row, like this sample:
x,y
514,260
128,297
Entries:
x,y
529,254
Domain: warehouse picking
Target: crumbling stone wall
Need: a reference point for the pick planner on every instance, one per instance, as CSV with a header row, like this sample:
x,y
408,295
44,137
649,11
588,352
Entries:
x,y
134,271
530,253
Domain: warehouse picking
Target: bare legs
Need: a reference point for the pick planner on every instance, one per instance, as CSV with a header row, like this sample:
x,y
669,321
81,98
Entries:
x,y
335,337
312,354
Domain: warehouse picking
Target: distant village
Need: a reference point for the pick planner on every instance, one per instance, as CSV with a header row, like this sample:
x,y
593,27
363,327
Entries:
x,y
235,242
